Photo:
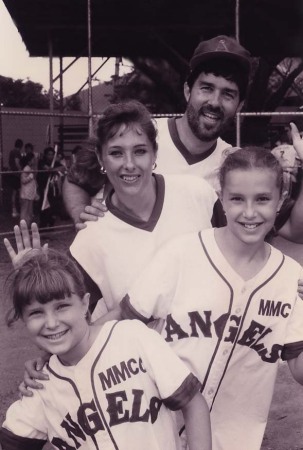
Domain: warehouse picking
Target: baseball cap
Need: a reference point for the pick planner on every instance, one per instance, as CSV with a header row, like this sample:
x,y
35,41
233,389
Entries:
x,y
221,47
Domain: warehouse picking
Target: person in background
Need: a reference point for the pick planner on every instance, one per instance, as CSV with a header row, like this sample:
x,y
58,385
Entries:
x,y
28,148
28,190
14,162
54,168
291,163
75,153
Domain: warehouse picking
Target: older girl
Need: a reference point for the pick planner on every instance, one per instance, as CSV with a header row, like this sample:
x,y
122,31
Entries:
x,y
229,301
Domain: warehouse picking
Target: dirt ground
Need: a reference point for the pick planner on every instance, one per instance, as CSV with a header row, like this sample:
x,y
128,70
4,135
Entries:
x,y
285,425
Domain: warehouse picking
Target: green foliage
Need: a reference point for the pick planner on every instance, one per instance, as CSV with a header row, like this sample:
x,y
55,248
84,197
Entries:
x,y
73,103
153,82
25,94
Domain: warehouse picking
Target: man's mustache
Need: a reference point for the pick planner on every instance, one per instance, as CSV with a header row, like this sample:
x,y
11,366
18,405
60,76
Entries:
x,y
209,109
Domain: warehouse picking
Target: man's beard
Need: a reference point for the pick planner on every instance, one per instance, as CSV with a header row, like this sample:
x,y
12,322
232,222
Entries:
x,y
202,132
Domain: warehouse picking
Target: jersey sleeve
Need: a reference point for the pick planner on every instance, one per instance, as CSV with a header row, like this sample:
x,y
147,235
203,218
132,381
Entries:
x,y
26,419
91,286
218,219
294,339
284,214
82,250
151,295
175,383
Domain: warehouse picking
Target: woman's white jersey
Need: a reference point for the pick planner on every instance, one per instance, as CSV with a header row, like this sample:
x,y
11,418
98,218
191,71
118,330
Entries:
x,y
115,249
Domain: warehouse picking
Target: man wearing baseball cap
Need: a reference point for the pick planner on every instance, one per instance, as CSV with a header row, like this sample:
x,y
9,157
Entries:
x,y
215,90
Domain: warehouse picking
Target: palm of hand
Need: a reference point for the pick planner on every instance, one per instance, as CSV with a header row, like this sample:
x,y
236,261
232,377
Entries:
x,y
27,246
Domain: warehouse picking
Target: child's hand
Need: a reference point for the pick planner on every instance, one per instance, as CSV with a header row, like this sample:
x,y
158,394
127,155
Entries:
x,y
23,243
33,371
297,141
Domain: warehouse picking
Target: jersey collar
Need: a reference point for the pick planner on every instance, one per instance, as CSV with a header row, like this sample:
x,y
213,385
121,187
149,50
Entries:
x,y
189,157
150,224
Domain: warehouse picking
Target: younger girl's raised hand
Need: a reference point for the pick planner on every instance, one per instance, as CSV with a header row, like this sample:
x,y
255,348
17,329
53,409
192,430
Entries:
x,y
24,243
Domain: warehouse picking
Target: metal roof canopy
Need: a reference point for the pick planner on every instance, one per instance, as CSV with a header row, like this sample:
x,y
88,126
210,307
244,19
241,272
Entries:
x,y
156,28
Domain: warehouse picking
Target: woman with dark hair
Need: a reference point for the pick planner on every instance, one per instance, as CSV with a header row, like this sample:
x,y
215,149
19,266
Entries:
x,y
143,207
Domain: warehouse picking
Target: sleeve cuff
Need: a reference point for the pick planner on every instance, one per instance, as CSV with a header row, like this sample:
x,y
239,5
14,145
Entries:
x,y
291,351
129,312
10,441
188,389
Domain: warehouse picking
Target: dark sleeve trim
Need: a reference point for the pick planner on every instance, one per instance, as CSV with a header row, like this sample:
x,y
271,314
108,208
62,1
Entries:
x,y
284,214
291,351
129,312
10,441
218,219
188,389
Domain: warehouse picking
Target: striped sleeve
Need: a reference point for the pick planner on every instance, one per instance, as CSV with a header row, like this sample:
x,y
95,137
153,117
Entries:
x,y
188,389
10,441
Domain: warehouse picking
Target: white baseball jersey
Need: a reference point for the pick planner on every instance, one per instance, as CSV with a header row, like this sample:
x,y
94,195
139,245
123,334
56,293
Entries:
x,y
116,248
114,398
174,158
228,331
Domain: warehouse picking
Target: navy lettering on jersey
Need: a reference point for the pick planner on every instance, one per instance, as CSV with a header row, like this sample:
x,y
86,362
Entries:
x,y
115,408
118,412
171,328
89,418
272,308
73,430
204,325
136,415
120,372
251,338
196,321
233,330
121,407
62,445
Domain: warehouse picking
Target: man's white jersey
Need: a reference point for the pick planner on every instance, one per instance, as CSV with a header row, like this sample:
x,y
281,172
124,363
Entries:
x,y
114,398
230,332
174,158
116,248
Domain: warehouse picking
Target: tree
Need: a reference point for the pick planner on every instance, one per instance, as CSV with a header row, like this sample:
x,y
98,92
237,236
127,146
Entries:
x,y
153,82
273,80
25,94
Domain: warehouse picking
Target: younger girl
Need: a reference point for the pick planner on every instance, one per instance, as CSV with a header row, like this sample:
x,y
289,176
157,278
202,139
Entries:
x,y
28,191
108,386
229,302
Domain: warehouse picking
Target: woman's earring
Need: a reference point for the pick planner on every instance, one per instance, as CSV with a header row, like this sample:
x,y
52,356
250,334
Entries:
x,y
102,170
154,166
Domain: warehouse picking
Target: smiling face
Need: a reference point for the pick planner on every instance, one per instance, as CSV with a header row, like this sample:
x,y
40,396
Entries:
x,y
128,158
212,103
59,326
251,199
